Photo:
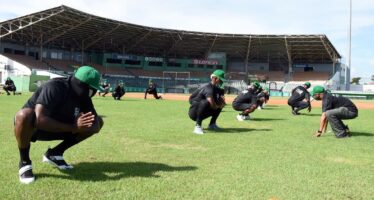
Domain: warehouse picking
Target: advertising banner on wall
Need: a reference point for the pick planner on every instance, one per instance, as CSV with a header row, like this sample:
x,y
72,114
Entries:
x,y
204,62
153,59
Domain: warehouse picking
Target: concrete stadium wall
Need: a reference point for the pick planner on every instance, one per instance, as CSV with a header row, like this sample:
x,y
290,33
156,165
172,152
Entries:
x,y
9,68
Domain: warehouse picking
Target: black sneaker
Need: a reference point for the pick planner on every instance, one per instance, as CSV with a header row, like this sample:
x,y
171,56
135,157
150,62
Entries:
x,y
25,173
295,113
343,135
56,160
347,129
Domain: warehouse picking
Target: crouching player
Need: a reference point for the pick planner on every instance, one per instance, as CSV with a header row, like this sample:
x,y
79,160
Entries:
x,y
61,109
247,102
208,101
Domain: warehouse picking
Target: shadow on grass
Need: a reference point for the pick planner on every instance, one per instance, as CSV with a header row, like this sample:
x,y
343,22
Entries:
x,y
129,99
310,114
240,130
271,106
266,119
109,171
356,134
112,99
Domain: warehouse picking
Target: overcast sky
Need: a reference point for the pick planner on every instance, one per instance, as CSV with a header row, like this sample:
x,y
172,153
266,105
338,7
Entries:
x,y
330,17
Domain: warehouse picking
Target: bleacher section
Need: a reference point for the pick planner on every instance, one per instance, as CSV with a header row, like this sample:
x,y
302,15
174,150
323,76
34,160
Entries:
x,y
28,61
292,84
310,76
63,65
260,75
138,78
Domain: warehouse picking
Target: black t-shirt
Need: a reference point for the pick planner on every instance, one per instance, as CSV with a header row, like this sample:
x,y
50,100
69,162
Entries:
x,y
330,102
298,94
245,96
119,89
60,101
9,82
253,90
206,91
152,86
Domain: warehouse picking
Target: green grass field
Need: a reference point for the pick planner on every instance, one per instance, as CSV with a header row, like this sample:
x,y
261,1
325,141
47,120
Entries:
x,y
146,150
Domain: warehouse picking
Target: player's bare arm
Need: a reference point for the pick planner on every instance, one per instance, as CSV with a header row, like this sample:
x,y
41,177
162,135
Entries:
x,y
322,126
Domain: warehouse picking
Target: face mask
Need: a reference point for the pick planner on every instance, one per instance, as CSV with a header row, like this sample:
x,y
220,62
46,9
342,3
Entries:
x,y
221,85
91,92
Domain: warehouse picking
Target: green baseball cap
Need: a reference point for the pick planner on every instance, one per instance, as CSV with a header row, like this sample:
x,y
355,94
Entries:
x,y
256,84
307,84
220,74
90,76
318,90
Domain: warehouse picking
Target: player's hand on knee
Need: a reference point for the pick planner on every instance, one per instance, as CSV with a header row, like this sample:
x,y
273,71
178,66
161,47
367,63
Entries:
x,y
84,122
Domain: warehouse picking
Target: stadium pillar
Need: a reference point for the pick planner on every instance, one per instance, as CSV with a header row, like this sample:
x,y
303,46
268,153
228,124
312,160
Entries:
x,y
289,59
82,57
333,65
246,58
1,46
348,68
41,48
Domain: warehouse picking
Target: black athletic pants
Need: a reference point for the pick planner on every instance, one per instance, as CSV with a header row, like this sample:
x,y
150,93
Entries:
x,y
297,106
335,117
11,88
202,110
118,95
154,92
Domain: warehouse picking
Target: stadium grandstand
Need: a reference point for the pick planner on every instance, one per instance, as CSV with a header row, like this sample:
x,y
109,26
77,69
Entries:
x,y
56,41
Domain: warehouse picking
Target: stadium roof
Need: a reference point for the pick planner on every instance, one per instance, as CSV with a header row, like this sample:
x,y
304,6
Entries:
x,y
71,29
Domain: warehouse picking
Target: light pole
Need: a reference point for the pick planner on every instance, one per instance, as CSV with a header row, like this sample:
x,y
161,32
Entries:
x,y
348,69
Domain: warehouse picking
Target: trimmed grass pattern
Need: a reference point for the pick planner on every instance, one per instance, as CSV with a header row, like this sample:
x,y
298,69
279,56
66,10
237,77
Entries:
x,y
146,150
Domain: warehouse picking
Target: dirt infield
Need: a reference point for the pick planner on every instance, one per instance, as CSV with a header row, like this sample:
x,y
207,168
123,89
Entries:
x,y
273,101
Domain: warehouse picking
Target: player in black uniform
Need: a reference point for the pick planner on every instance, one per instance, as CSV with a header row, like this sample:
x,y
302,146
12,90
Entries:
x,y
208,101
106,86
152,89
61,109
300,99
334,109
118,91
9,86
266,93
255,88
247,102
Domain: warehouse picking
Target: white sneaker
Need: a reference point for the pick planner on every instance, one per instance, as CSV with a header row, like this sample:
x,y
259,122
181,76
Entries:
x,y
240,118
25,174
56,160
198,130
259,108
214,127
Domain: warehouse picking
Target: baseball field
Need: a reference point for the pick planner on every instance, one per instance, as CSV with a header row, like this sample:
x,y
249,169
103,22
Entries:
x,y
146,150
